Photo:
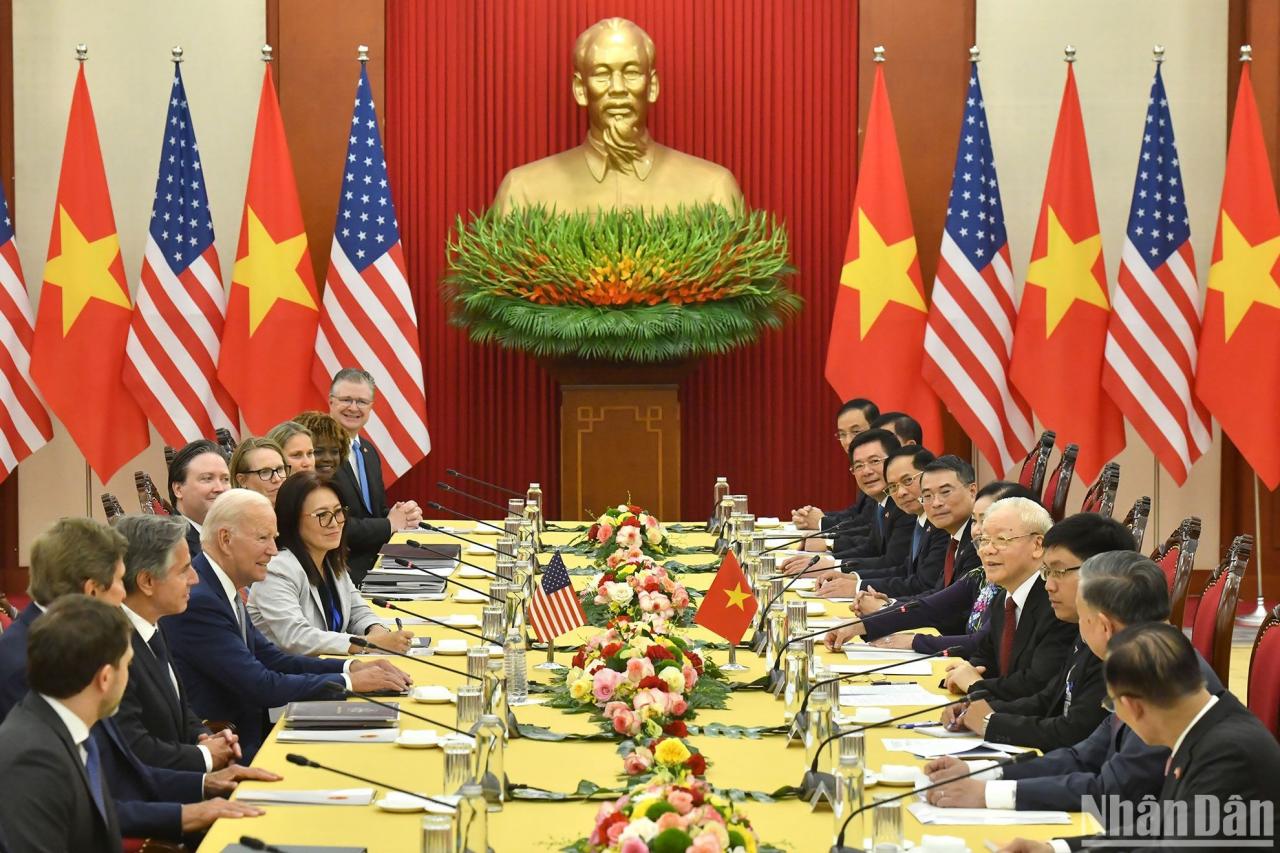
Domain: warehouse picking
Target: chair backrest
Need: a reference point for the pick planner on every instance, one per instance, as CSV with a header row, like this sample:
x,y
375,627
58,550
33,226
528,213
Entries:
x,y
149,496
111,506
1058,486
1216,614
1264,673
1037,462
1101,497
1136,520
169,453
1176,558
226,441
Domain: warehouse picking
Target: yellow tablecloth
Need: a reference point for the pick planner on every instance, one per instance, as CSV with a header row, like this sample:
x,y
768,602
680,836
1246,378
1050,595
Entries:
x,y
758,765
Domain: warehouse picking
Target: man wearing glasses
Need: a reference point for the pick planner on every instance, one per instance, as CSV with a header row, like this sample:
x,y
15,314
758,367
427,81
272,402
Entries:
x,y
1066,709
853,419
359,482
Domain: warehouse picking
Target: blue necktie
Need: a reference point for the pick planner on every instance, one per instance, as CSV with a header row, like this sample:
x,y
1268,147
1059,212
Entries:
x,y
916,536
93,768
361,474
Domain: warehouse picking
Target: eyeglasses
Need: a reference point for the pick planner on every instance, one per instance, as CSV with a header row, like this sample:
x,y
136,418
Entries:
x,y
1109,701
904,483
353,401
944,494
861,465
848,434
999,543
1056,574
329,517
269,474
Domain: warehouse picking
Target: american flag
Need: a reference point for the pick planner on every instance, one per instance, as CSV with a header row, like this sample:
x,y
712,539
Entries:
x,y
368,318
171,356
24,423
969,336
555,608
1151,352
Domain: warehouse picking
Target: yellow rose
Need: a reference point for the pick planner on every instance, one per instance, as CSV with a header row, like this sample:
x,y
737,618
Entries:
x,y
748,840
672,751
673,678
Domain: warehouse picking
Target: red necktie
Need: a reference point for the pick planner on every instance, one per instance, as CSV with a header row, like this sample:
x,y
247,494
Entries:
x,y
1007,631
949,565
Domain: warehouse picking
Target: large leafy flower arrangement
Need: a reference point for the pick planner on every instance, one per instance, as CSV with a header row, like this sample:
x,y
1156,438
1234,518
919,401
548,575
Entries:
x,y
624,285
668,817
637,590
627,532
639,683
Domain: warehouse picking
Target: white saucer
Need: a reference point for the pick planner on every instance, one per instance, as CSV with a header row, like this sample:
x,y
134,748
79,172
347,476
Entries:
x,y
462,620
485,530
450,646
418,739
394,801
431,694
899,775
466,596
477,551
468,572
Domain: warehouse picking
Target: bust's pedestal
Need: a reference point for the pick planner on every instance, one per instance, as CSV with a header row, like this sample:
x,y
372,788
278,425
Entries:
x,y
619,432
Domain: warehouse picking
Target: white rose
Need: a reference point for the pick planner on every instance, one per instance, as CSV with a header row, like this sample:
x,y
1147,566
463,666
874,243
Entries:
x,y
644,829
619,593
622,508
654,535
674,679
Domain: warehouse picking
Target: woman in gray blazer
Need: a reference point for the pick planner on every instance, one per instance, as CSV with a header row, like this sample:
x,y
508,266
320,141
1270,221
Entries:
x,y
307,603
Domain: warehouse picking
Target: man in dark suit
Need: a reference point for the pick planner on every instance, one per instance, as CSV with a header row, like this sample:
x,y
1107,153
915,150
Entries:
x,y
1026,646
358,480
55,796
853,418
1116,589
75,555
154,716
1219,751
197,475
230,670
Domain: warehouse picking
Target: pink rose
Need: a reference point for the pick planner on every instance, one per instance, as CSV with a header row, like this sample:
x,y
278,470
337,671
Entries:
x,y
637,763
709,814
690,676
650,521
615,831
612,708
629,537
671,820
634,554
634,845
603,534
680,598
676,705
604,683
624,721
681,801
613,560
706,842
648,697
638,669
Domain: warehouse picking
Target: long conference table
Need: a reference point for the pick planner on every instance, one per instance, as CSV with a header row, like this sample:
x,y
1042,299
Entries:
x,y
763,764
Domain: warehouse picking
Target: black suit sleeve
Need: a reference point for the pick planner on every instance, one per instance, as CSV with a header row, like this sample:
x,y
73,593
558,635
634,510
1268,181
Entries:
x,y
927,576
895,548
1040,722
1053,643
153,750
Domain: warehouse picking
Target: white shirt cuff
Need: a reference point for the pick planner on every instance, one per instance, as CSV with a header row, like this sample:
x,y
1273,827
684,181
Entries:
x,y
346,666
1059,846
208,758
993,769
1001,794
831,543
346,680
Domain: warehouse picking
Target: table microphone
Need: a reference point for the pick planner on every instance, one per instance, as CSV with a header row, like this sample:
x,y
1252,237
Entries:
x,y
764,611
365,644
414,543
353,694
303,761
453,472
401,561
906,606
814,780
801,718
446,487
821,534
258,844
390,605
839,847
442,508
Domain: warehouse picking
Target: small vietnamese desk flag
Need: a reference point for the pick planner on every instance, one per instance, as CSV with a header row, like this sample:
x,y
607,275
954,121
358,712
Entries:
x,y
1240,337
269,338
729,605
77,355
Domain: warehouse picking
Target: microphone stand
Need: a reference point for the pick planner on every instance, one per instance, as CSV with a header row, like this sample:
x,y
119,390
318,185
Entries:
x,y
401,561
442,508
446,487
303,761
414,543
453,472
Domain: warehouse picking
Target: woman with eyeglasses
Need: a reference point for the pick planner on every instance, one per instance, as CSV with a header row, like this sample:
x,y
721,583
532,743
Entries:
x,y
307,603
258,465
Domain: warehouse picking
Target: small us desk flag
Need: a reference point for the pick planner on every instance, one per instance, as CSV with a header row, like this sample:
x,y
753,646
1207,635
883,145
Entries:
x,y
555,608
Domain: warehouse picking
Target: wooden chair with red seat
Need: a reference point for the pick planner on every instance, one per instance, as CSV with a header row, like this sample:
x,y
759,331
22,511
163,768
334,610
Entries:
x,y
1136,520
1037,462
1176,557
1101,497
1058,486
1216,614
1264,673
111,506
149,496
226,441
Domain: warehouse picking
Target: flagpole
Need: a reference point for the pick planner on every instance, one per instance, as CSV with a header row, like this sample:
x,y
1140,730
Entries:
x,y
82,55
1254,619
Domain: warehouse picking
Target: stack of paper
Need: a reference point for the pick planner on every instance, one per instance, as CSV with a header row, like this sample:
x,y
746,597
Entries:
x,y
912,667
961,747
340,797
862,651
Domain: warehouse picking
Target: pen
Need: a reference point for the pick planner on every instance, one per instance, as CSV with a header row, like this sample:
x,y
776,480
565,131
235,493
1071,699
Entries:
x,y
916,725
399,624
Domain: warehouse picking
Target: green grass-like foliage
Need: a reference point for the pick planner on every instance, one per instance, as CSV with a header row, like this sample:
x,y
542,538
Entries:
x,y
620,285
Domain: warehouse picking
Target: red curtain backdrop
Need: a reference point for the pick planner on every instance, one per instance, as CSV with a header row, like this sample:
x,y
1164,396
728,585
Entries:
x,y
768,88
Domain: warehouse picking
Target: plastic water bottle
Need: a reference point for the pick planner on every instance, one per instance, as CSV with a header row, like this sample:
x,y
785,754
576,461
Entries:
x,y
517,674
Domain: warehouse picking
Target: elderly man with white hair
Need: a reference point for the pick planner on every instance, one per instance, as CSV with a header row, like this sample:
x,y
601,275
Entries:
x,y
230,670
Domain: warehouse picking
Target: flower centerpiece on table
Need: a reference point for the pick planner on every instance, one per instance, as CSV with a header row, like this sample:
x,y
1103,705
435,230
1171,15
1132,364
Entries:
x,y
637,589
666,817
666,759
639,683
626,532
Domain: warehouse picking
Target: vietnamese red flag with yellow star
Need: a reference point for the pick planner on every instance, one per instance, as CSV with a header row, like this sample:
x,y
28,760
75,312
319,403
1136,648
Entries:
x,y
1239,368
729,605
876,349
268,342
1061,330
77,354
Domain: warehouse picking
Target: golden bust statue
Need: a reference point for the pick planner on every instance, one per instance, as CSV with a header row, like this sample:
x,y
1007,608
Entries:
x,y
618,165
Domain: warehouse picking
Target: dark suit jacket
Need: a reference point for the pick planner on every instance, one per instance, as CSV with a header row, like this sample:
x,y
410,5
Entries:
x,y
838,516
47,806
889,545
13,659
1112,761
926,573
193,540
1061,713
367,527
157,723
229,680
1040,646
148,799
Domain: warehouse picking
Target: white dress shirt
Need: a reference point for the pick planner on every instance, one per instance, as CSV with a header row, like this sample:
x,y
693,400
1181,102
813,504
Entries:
x,y
75,726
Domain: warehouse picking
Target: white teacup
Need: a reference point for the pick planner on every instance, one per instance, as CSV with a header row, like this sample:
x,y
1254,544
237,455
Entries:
x,y
942,844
